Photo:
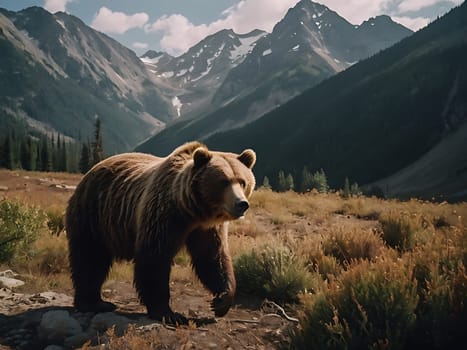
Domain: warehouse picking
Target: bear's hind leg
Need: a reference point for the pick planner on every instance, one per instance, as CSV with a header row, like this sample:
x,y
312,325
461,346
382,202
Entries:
x,y
90,264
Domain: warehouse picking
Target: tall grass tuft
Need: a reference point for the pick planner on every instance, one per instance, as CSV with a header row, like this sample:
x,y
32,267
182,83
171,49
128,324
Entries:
x,y
270,272
371,306
346,245
399,230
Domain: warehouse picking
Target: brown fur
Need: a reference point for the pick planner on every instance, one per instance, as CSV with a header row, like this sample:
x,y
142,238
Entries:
x,y
144,208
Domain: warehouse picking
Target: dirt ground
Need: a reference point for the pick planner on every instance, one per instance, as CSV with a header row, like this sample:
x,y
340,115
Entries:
x,y
248,325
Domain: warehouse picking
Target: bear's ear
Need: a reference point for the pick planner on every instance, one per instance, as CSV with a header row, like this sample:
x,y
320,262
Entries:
x,y
248,157
201,156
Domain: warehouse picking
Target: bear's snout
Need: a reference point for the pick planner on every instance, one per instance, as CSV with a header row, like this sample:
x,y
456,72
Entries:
x,y
241,207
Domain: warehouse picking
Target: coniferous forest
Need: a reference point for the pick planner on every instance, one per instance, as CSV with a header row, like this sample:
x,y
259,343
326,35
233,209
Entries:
x,y
23,148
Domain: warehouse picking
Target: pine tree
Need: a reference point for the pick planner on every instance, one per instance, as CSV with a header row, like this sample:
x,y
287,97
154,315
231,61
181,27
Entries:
x,y
281,182
320,181
307,180
46,155
62,157
84,161
32,153
97,150
346,190
289,182
7,157
266,185
25,155
355,189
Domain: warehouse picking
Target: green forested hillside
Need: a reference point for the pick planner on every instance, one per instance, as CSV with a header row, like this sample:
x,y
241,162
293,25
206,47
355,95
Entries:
x,y
372,119
56,73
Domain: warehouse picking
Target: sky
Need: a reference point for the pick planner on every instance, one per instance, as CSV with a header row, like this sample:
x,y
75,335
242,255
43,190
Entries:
x,y
174,26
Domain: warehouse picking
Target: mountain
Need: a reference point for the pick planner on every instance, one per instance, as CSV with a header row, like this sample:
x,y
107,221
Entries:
x,y
310,44
199,72
59,74
399,112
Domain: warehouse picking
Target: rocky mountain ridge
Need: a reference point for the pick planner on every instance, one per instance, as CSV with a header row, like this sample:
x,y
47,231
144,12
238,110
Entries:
x,y
310,44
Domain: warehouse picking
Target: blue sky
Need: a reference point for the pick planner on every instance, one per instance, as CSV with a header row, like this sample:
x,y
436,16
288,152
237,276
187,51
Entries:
x,y
175,25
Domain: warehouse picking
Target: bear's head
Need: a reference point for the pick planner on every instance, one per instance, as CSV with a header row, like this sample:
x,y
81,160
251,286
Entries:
x,y
223,182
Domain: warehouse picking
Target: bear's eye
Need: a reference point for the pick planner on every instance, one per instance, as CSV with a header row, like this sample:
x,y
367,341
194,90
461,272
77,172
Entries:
x,y
242,183
225,182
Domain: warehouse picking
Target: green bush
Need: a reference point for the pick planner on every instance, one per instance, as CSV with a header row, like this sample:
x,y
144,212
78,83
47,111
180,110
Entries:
x,y
19,228
275,273
55,221
371,306
399,230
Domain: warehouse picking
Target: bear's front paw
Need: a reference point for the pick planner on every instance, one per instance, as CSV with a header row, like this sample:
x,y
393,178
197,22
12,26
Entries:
x,y
169,317
221,303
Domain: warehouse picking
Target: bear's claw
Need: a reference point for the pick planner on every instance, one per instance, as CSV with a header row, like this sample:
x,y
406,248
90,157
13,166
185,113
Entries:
x,y
169,317
221,304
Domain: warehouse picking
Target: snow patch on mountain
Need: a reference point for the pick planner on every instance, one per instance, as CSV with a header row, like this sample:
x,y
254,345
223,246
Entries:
x,y
177,104
246,46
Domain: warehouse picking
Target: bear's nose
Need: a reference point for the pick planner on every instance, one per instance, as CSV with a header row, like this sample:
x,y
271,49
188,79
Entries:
x,y
241,206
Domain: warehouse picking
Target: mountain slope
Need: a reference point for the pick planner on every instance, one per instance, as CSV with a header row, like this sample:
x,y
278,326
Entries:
x,y
373,119
201,70
87,74
310,44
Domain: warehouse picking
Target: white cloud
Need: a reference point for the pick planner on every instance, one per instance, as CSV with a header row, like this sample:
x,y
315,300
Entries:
x,y
56,5
138,45
179,34
412,23
416,5
117,22
358,11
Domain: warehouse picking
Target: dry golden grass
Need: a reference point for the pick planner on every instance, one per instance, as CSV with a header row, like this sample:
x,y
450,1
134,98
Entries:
x,y
339,239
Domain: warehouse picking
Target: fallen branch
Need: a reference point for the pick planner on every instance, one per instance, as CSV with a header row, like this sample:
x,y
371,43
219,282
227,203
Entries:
x,y
271,306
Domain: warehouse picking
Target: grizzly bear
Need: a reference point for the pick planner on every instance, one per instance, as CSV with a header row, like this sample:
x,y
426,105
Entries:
x,y
144,208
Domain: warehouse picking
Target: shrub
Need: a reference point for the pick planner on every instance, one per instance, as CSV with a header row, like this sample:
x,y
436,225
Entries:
x,y
53,261
346,246
371,306
399,230
55,221
19,227
327,266
182,258
275,273
442,287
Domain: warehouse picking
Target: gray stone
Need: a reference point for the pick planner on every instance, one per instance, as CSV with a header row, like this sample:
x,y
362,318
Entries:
x,y
57,325
102,322
55,347
9,282
78,340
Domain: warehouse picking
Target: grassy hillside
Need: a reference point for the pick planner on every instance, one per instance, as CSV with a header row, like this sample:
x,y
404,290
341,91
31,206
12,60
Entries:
x,y
372,119
355,272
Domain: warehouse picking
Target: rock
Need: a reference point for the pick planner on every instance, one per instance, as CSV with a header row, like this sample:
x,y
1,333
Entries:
x,y
3,188
77,340
55,347
57,325
9,282
102,322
